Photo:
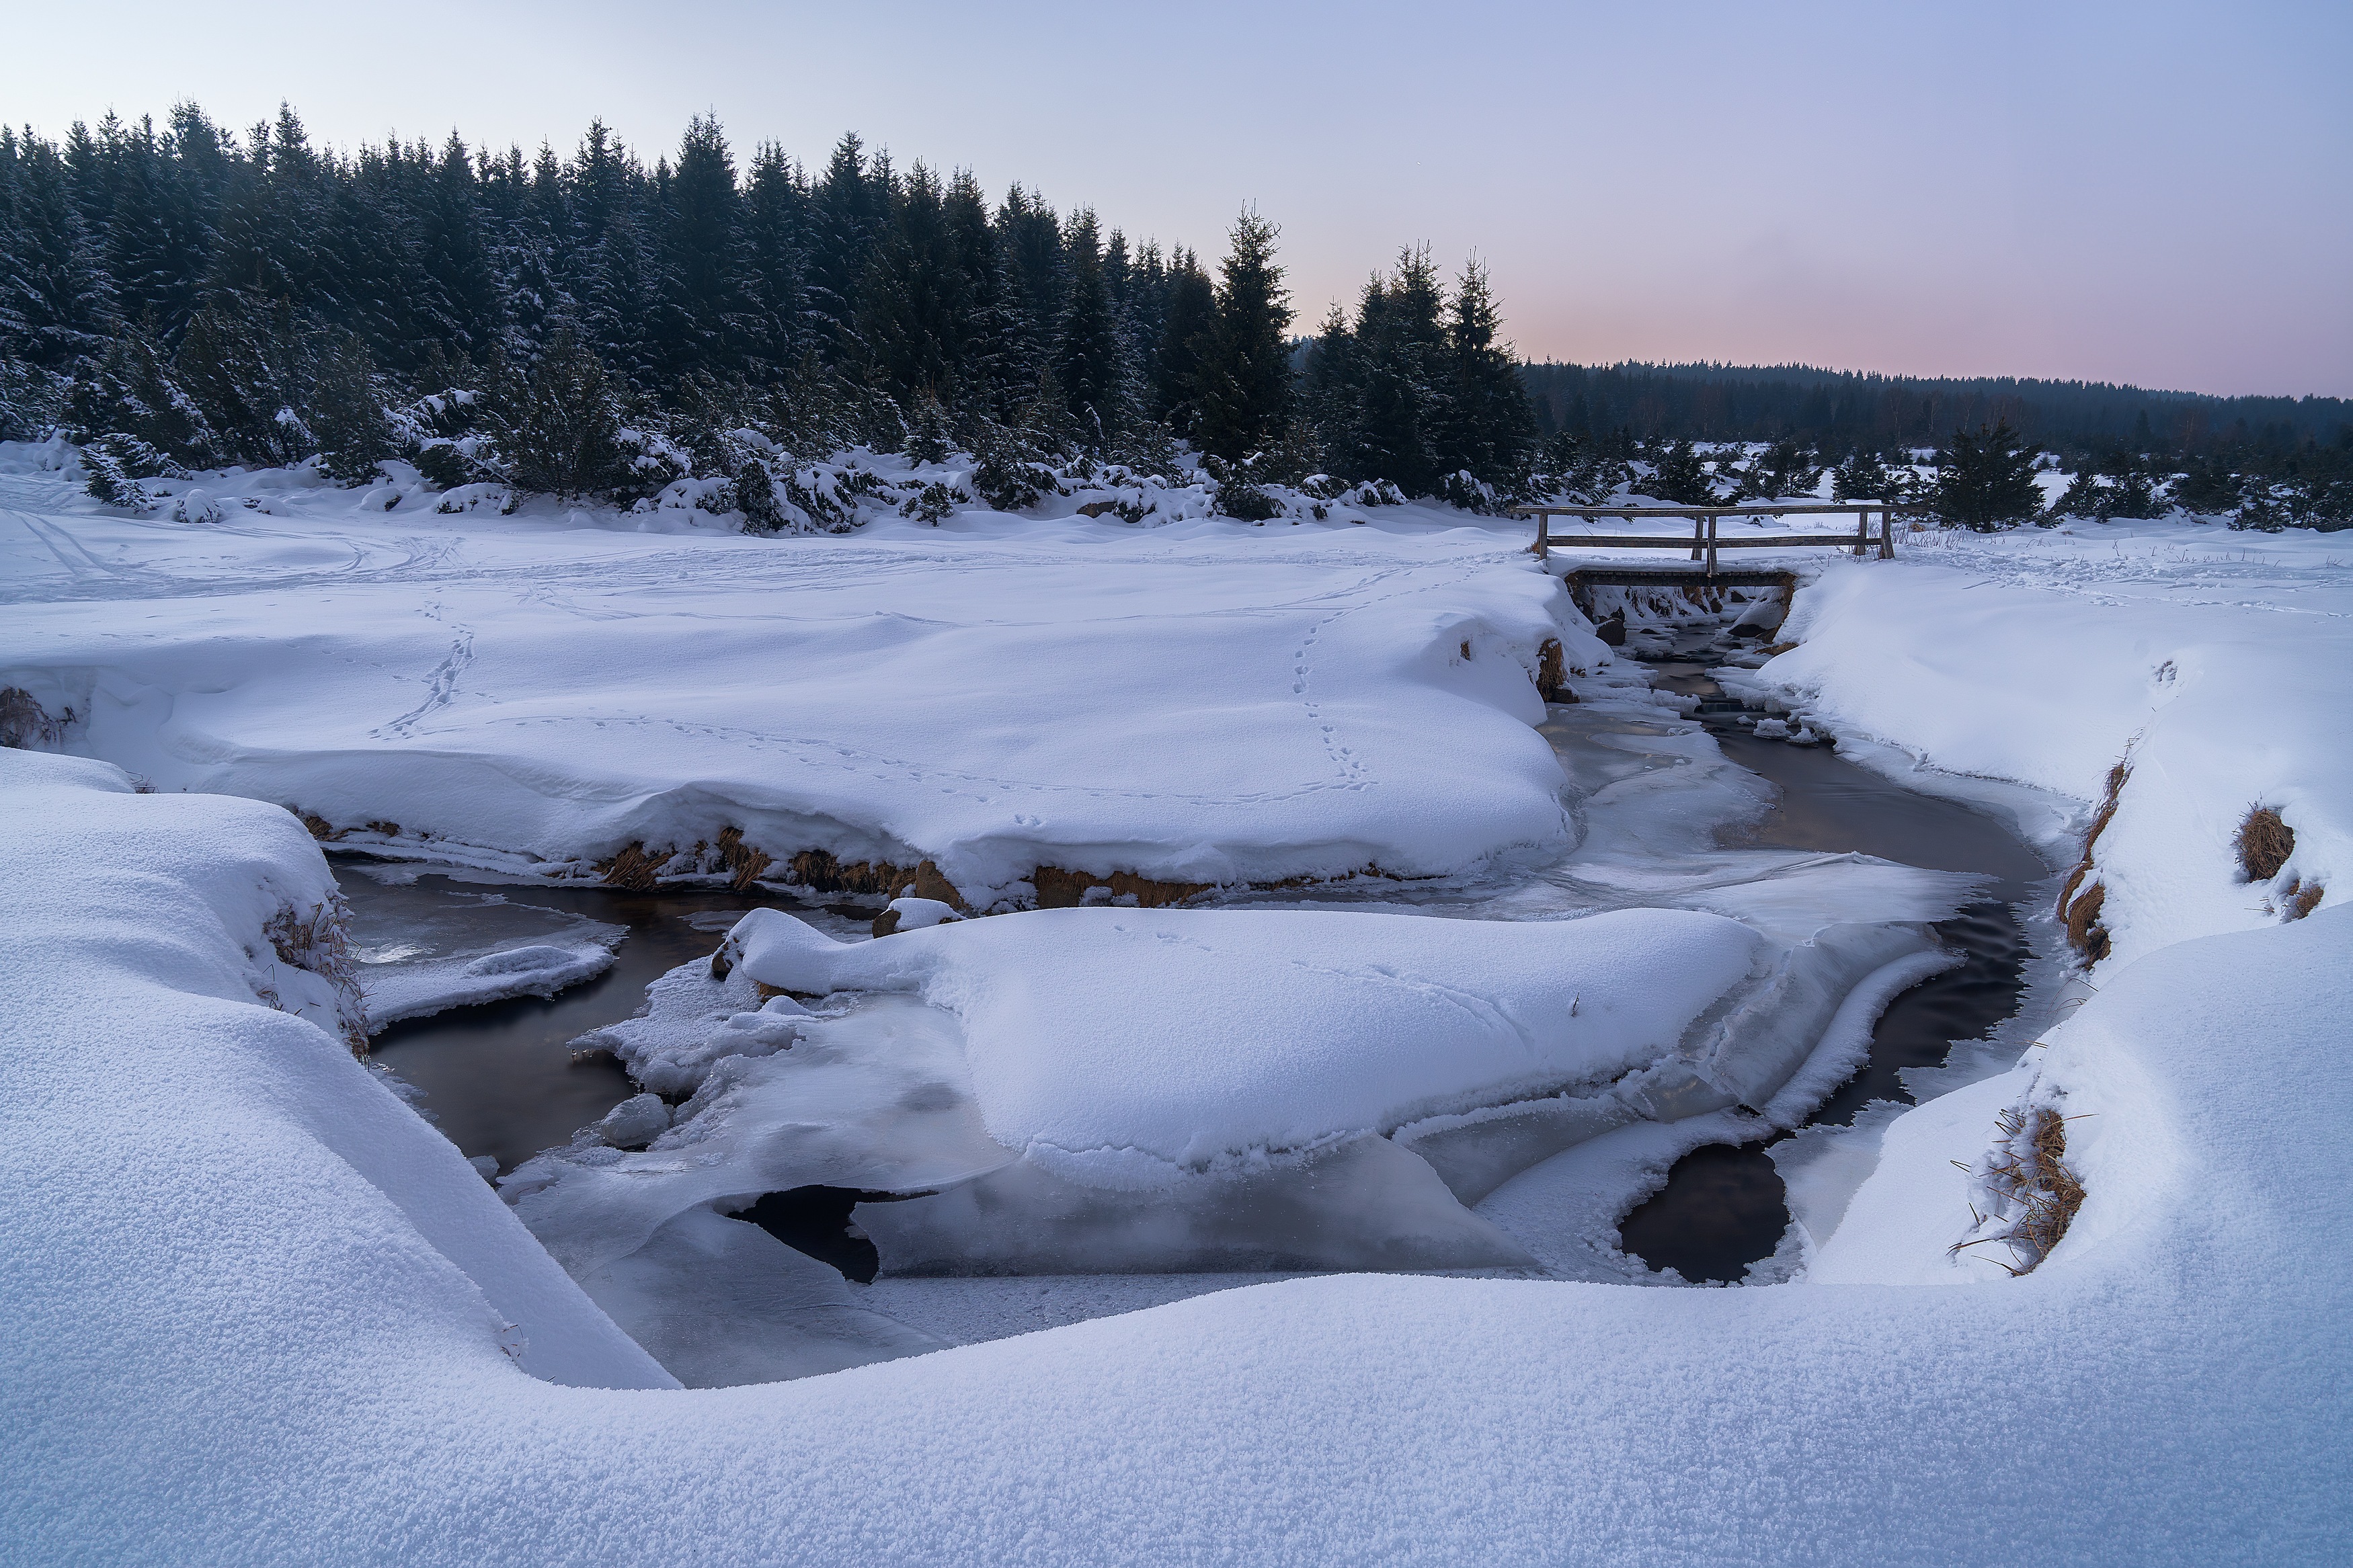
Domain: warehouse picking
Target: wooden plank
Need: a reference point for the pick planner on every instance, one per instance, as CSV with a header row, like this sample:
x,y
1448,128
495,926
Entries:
x,y
1676,541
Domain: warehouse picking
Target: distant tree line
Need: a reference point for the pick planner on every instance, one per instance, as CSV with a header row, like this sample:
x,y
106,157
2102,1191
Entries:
x,y
586,324
1842,411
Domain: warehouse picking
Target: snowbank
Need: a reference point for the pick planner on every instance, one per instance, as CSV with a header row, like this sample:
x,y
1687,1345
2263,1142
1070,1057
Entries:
x,y
2212,666
1123,1046
520,693
261,1313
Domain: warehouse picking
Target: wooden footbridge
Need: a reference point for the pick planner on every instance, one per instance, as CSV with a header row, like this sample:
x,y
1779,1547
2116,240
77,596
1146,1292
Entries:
x,y
1706,539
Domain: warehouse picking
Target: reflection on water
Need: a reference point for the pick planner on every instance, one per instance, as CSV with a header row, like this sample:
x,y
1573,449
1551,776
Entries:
x,y
1723,1208
500,1080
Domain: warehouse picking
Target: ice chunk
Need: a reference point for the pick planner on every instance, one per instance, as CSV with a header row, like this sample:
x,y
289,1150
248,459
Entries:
x,y
635,1122
718,1301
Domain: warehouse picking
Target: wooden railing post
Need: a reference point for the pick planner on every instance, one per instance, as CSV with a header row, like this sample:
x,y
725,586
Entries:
x,y
1544,535
1886,533
1699,532
1711,545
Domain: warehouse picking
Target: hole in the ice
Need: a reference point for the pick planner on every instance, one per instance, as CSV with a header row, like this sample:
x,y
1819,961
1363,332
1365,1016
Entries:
x,y
815,1220
1723,1208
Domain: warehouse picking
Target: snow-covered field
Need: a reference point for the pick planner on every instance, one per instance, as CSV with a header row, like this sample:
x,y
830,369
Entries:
x,y
260,1311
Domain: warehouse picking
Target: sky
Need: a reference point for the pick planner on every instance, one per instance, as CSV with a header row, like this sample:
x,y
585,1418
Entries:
x,y
2159,194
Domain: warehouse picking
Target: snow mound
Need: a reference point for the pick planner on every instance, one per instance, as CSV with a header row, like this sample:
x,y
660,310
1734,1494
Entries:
x,y
1120,1046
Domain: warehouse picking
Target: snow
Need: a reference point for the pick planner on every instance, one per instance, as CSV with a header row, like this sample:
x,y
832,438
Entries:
x,y
342,1360
2210,661
282,1320
518,692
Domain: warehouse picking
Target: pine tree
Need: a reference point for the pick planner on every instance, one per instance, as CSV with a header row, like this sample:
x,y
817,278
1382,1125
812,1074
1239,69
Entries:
x,y
915,306
461,300
1402,385
622,288
703,325
1241,387
246,371
131,390
1679,475
1191,311
60,303
1329,388
1488,426
776,258
849,207
557,431
1863,477
1086,352
1986,482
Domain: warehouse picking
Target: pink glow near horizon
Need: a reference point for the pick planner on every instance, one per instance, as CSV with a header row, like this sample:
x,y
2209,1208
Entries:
x,y
2157,194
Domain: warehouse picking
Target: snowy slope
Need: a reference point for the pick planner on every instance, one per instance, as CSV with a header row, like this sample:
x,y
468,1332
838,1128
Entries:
x,y
258,1315
2214,664
526,691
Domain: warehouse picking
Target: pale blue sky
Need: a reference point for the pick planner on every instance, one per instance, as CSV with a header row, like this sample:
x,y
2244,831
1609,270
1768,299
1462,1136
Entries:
x,y
2159,192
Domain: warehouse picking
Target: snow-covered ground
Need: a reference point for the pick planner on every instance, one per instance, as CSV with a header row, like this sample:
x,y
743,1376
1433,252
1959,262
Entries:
x,y
260,1311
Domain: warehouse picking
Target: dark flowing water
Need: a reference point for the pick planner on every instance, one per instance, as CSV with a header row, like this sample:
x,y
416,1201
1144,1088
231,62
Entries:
x,y
1723,1208
499,1079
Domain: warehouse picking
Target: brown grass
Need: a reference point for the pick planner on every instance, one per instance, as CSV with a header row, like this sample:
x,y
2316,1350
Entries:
x,y
2031,1171
1552,679
2301,898
2084,932
819,869
2080,914
744,863
25,724
1060,889
634,869
319,828
2264,842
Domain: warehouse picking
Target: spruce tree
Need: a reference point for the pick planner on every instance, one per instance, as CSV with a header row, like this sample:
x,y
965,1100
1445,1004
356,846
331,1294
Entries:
x,y
1679,477
1086,350
1402,382
1241,387
1986,482
775,254
1191,311
558,430
705,310
1488,426
60,302
914,304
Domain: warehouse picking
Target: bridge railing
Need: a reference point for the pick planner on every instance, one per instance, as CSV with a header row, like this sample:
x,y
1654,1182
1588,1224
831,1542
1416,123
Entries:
x,y
1706,541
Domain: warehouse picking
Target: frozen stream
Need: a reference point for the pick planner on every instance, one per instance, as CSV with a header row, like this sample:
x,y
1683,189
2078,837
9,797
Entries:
x,y
1722,1207
1668,823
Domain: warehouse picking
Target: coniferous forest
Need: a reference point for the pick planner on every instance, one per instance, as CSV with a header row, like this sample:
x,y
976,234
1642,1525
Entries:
x,y
590,324
178,296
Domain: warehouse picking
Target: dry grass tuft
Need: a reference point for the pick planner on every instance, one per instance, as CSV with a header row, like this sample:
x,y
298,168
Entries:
x,y
744,863
2080,914
2264,842
1060,889
25,724
634,869
2085,934
320,944
1552,679
819,869
2029,1173
2301,898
